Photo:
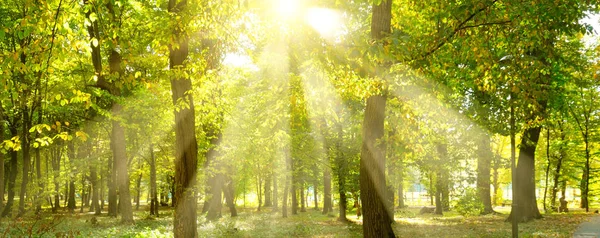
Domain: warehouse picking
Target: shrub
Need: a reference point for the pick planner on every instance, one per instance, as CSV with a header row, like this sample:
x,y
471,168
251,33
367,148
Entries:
x,y
469,204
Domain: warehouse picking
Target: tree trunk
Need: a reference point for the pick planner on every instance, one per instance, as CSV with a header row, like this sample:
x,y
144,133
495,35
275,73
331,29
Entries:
x,y
95,206
12,177
438,194
284,203
315,195
376,219
229,195
401,184
153,190
186,150
71,183
25,147
268,192
484,161
526,200
302,198
216,200
293,193
557,172
1,160
343,206
275,194
138,187
585,176
547,174
327,206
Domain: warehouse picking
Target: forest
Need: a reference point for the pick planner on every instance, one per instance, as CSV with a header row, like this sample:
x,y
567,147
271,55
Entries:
x,y
299,118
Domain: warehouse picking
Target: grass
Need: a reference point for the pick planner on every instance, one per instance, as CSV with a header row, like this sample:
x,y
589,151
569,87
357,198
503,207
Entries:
x,y
312,223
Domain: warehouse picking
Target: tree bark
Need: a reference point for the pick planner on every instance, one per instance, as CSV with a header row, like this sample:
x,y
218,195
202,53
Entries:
x,y
71,183
186,150
376,219
302,198
526,200
12,177
484,161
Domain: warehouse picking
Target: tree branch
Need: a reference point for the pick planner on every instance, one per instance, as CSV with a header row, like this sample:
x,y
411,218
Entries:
x,y
460,26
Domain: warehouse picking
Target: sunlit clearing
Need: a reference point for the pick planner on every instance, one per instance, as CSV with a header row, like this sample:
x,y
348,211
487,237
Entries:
x,y
325,21
287,8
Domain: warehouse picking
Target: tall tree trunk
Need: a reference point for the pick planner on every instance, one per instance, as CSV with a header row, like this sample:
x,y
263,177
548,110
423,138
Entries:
x,y
557,171
215,180
484,161
12,177
186,150
275,193
95,206
71,183
25,147
1,161
153,190
286,188
585,176
547,174
315,195
526,200
376,219
327,206
438,194
293,193
138,187
401,184
302,198
268,192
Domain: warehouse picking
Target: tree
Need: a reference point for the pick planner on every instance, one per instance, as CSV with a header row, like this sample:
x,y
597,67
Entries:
x,y
186,151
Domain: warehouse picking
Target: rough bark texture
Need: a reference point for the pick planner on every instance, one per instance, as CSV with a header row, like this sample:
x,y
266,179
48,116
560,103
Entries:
x,y
526,200
484,161
376,221
186,151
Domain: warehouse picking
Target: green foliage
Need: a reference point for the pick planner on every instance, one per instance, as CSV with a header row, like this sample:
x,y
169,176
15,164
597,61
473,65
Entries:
x,y
469,204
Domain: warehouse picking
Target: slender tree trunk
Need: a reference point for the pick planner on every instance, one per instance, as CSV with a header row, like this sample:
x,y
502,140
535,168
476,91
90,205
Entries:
x,y
315,195
26,158
557,172
284,203
401,184
12,177
153,191
484,161
327,206
302,198
547,169
275,193
343,206
95,206
1,161
268,192
585,176
186,150
71,183
293,193
138,191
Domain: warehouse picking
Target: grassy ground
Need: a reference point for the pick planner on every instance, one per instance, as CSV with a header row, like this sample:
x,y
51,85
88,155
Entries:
x,y
308,224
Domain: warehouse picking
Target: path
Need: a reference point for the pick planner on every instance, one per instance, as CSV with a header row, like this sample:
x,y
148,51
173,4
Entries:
x,y
590,229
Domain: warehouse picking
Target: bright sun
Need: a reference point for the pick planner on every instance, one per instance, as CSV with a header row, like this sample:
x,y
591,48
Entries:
x,y
325,21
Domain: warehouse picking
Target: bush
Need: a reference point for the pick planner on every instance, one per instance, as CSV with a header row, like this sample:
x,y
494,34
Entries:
x,y
469,204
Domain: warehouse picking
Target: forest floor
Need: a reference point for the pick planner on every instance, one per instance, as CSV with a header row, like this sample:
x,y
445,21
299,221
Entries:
x,y
251,223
